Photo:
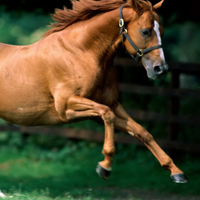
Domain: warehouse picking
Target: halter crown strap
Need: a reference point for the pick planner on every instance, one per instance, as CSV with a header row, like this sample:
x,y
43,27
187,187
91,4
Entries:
x,y
124,32
121,21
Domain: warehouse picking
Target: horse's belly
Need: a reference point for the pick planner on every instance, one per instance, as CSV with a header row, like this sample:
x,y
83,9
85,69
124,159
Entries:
x,y
28,108
30,116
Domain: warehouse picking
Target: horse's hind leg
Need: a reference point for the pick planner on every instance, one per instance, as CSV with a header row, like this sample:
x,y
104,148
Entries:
x,y
124,122
80,108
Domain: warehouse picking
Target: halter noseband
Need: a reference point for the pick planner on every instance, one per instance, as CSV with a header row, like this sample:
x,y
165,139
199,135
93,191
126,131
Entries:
x,y
124,32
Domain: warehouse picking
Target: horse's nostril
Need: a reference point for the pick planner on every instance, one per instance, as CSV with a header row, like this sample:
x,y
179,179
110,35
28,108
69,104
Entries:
x,y
157,69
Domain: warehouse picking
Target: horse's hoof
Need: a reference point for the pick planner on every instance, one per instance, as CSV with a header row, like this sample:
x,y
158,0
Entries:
x,y
103,173
179,178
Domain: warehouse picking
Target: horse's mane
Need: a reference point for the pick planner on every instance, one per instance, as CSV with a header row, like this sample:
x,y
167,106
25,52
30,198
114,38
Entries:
x,y
85,9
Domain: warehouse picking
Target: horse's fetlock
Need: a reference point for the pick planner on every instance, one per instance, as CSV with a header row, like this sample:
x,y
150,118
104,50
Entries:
x,y
109,151
167,164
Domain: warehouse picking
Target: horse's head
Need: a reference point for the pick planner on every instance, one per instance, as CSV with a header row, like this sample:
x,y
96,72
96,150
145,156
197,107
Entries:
x,y
142,33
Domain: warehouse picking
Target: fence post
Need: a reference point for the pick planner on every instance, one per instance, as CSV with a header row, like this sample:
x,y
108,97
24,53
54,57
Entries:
x,y
174,109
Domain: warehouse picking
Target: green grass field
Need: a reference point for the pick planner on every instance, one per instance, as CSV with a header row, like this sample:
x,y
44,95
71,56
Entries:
x,y
34,173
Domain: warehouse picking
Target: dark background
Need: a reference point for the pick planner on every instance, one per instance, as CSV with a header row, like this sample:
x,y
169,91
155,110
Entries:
x,y
183,10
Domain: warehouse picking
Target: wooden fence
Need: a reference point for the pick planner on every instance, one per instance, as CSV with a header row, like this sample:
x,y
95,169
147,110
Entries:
x,y
173,118
174,93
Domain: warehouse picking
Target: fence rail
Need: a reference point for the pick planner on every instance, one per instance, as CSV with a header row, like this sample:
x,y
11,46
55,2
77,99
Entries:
x,y
88,135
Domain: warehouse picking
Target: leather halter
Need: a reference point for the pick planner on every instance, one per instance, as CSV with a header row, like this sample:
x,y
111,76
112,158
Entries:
x,y
124,32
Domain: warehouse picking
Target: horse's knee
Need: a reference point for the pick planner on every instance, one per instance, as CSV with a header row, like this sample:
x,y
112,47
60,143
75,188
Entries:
x,y
107,115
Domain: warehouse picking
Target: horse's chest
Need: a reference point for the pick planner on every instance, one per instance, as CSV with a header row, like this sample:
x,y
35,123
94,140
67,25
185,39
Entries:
x,y
102,89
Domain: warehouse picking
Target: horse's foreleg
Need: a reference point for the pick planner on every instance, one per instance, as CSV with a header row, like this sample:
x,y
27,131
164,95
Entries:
x,y
80,108
125,123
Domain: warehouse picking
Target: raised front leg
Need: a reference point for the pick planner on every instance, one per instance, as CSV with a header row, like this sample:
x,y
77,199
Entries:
x,y
77,108
125,123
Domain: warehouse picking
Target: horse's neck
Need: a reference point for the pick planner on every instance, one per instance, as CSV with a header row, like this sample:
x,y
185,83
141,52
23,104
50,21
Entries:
x,y
106,31
98,35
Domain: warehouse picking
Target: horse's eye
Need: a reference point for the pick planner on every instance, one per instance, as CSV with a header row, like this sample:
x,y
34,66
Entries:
x,y
146,32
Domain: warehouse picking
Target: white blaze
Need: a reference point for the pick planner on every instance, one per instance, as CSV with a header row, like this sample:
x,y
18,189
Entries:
x,y
156,28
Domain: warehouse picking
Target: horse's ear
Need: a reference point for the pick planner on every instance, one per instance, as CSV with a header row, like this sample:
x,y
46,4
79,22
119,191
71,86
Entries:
x,y
135,5
158,5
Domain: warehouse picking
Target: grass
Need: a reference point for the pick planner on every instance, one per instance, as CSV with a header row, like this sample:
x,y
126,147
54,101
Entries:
x,y
69,173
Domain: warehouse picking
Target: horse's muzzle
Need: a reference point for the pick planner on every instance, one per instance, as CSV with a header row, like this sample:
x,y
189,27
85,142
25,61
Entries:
x,y
157,71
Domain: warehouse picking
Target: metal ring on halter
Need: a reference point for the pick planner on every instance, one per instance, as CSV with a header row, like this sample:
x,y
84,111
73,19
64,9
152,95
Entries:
x,y
121,22
140,52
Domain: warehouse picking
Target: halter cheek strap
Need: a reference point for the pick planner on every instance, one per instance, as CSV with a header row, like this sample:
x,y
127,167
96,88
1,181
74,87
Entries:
x,y
124,32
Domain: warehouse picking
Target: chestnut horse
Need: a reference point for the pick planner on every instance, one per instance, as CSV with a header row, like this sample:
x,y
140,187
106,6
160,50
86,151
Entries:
x,y
69,76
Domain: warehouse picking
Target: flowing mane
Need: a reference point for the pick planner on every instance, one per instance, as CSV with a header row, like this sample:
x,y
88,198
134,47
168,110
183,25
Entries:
x,y
85,9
